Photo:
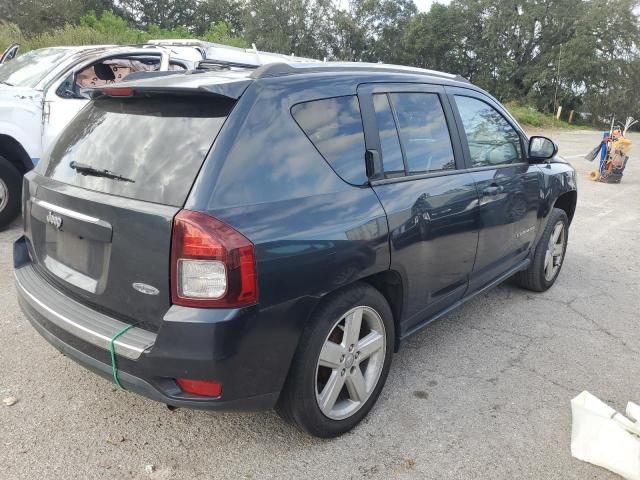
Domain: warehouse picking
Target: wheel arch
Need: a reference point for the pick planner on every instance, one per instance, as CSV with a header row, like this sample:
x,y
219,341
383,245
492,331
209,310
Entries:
x,y
567,202
15,153
389,284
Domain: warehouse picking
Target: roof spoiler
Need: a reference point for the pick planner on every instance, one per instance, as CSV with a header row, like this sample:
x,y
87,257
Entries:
x,y
131,88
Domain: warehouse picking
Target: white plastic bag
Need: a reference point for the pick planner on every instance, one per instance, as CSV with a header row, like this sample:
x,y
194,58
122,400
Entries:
x,y
604,437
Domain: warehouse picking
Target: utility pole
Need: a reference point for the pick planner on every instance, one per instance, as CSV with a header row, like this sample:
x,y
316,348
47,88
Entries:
x,y
555,95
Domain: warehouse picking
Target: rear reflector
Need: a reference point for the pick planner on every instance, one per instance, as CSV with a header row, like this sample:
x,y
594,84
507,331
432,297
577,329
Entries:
x,y
205,388
212,265
118,91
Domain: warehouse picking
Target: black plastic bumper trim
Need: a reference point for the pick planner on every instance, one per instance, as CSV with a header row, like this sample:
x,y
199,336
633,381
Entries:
x,y
142,387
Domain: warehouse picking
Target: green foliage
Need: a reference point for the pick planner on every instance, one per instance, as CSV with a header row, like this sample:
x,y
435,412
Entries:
x,y
300,27
529,116
221,33
9,33
109,29
581,54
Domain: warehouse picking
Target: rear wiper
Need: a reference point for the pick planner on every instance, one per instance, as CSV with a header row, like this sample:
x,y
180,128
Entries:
x,y
89,170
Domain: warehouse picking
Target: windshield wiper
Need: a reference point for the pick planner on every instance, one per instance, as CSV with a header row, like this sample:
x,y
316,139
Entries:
x,y
6,83
94,172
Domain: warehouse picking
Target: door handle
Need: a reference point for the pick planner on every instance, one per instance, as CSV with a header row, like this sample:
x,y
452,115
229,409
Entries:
x,y
492,190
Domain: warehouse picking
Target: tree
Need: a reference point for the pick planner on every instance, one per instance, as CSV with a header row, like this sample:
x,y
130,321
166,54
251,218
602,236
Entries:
x,y
371,30
300,27
436,40
227,12
38,16
581,54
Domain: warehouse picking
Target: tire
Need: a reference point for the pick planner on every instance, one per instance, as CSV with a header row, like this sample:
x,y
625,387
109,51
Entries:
x,y
10,192
308,380
541,275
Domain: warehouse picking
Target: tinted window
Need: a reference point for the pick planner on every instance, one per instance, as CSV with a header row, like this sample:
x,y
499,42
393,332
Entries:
x,y
423,131
334,125
492,140
159,143
389,142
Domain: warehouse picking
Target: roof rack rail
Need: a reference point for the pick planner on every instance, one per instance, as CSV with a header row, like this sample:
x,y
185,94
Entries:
x,y
279,69
244,57
212,64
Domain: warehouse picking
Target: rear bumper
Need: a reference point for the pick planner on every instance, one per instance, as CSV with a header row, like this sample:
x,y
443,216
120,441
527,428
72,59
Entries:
x,y
240,348
143,387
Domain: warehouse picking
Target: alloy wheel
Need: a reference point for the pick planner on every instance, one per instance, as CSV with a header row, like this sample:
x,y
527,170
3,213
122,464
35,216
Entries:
x,y
4,195
555,252
350,363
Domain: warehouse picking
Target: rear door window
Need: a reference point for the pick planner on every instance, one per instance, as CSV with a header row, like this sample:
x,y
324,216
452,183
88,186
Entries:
x,y
492,140
334,126
423,132
154,145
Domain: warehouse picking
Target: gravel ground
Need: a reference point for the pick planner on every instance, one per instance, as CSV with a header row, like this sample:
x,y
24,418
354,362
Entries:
x,y
482,394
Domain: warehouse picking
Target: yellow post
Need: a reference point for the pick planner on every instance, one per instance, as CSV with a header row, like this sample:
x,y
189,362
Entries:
x,y
559,112
571,116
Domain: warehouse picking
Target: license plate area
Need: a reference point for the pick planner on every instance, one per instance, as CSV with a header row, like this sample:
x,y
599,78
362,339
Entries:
x,y
72,246
78,261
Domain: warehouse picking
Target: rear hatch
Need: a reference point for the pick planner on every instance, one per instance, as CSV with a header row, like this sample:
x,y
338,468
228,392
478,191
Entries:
x,y
99,209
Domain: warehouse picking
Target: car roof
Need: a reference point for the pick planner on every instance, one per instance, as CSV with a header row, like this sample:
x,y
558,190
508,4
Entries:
x,y
210,80
281,69
83,51
79,48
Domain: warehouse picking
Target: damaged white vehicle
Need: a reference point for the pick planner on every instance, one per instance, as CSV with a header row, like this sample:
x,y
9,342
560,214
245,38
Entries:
x,y
42,90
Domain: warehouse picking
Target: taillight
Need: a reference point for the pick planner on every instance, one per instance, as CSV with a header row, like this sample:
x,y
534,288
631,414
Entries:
x,y
118,91
212,265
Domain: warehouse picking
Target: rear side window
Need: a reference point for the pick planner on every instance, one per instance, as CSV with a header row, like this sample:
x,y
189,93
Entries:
x,y
423,132
334,126
155,145
491,139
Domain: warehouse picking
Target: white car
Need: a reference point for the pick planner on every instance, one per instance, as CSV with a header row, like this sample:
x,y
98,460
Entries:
x,y
42,90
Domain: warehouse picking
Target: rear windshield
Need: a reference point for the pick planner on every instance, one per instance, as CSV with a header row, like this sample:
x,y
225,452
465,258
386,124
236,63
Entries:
x,y
151,147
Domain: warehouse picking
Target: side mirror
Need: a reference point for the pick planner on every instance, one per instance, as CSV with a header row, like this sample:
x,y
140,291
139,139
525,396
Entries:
x,y
541,148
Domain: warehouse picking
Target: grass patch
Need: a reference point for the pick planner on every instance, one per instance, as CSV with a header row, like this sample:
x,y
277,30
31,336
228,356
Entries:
x,y
527,115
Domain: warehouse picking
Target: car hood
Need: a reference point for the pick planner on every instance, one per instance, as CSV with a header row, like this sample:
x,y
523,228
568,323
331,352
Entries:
x,y
13,92
559,159
13,97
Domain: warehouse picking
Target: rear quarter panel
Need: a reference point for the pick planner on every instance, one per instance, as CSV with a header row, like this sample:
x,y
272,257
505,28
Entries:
x,y
313,232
